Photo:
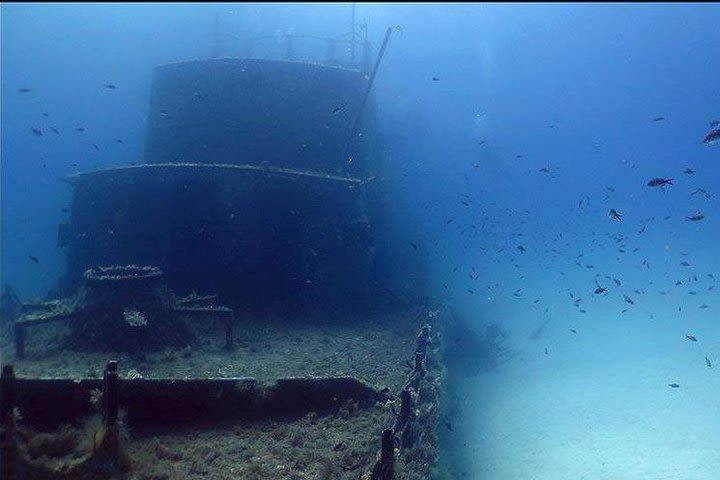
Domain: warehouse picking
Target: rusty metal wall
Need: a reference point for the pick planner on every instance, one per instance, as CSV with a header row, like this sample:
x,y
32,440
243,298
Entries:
x,y
255,111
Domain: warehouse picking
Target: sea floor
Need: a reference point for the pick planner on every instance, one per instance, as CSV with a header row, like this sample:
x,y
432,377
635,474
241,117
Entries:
x,y
337,445
597,406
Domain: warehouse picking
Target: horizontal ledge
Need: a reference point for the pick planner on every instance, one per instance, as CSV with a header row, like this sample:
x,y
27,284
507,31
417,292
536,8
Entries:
x,y
158,167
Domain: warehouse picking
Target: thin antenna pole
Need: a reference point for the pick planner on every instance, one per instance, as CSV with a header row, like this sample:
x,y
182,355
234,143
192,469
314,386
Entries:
x,y
216,37
356,124
352,36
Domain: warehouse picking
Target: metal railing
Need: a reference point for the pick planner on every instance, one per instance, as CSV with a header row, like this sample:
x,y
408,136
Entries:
x,y
350,53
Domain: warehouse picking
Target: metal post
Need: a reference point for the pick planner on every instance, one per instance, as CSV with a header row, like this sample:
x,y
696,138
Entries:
x,y
110,395
289,47
19,340
331,49
361,108
7,421
352,36
229,331
216,37
385,468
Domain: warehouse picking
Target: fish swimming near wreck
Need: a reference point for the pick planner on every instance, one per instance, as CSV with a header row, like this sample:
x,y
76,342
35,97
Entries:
x,y
660,182
695,217
614,214
712,137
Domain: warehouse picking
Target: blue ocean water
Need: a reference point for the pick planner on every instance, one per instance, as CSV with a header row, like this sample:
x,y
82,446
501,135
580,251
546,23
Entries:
x,y
505,126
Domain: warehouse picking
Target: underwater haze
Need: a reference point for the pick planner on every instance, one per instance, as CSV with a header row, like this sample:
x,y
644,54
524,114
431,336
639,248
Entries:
x,y
554,163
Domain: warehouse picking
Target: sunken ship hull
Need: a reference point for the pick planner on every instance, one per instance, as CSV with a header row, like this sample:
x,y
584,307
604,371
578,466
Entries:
x,y
221,314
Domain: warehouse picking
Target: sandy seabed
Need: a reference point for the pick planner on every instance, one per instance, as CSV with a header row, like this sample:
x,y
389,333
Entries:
x,y
597,406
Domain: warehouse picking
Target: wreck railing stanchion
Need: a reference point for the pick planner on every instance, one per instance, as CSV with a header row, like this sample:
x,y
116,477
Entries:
x,y
110,395
7,406
385,467
229,331
19,340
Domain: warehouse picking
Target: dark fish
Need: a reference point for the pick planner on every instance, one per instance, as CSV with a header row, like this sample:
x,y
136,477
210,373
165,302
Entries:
x,y
673,385
659,182
700,190
695,217
45,114
610,189
339,109
521,248
685,264
712,137
117,140
707,362
73,164
642,229
544,170
614,214
79,129
338,446
692,338
96,147
546,351
34,259
658,119
55,131
435,79
617,282
689,171
703,306
629,300
110,86
600,290
413,245
24,90
573,330
481,142
36,131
